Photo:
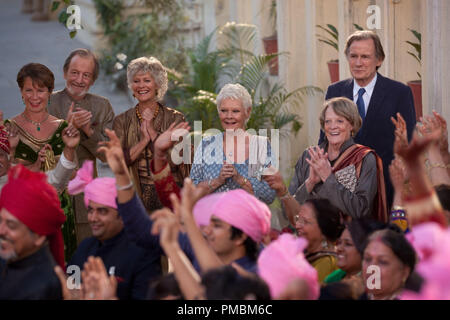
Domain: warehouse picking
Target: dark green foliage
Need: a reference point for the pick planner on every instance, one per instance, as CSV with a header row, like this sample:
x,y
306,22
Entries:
x,y
417,47
155,33
273,106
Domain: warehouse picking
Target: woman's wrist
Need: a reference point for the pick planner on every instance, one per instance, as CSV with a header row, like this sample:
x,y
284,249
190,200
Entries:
x,y
240,180
213,184
309,184
161,155
145,140
153,135
282,192
219,181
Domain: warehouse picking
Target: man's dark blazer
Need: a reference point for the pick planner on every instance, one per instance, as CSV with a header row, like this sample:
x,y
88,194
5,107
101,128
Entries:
x,y
377,132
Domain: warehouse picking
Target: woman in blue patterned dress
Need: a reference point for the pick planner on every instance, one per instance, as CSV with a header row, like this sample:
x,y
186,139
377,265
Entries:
x,y
234,158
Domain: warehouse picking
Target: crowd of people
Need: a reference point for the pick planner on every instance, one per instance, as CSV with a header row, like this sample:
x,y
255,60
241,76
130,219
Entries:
x,y
368,207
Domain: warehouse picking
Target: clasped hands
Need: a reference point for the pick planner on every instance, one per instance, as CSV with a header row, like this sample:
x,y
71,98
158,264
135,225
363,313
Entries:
x,y
148,132
229,171
81,119
319,166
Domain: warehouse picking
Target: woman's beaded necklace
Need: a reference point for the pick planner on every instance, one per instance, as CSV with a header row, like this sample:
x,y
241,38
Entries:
x,y
140,116
37,124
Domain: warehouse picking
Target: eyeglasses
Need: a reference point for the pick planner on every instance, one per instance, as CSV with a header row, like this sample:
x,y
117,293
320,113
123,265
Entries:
x,y
301,220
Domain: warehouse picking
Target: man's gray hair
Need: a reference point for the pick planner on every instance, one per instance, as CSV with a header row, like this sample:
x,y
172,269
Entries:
x,y
152,66
237,92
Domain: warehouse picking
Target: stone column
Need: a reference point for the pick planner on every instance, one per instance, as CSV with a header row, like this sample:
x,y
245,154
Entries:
x,y
344,23
436,58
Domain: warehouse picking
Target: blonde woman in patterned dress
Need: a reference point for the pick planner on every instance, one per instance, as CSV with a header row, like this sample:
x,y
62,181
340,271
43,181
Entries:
x,y
233,159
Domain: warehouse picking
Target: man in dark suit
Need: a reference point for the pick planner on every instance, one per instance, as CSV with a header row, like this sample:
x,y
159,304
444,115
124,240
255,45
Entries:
x,y
378,98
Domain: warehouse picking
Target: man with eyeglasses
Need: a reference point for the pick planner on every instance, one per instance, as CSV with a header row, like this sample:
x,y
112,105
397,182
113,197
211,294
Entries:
x,y
91,115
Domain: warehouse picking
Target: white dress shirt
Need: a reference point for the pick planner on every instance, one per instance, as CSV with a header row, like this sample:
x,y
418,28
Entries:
x,y
367,95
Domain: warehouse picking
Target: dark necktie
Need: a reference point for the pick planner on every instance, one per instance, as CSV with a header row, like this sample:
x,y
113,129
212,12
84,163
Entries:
x,y
360,103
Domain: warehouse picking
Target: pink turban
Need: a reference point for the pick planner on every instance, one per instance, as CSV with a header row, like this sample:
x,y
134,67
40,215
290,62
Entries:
x,y
432,244
238,208
283,261
100,190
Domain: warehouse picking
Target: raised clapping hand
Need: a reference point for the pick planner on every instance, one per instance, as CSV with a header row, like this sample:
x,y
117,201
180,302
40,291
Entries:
x,y
164,142
321,167
190,194
113,153
275,181
166,224
13,136
71,136
400,129
411,154
97,285
68,294
435,125
80,118
443,141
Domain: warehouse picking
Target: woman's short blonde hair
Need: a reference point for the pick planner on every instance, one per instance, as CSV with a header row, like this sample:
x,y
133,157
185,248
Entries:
x,y
343,107
152,66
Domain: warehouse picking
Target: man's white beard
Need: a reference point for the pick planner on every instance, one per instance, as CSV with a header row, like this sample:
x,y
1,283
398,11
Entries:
x,y
12,255
80,94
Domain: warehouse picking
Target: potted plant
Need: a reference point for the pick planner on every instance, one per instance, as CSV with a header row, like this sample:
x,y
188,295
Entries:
x,y
273,106
271,42
416,85
333,65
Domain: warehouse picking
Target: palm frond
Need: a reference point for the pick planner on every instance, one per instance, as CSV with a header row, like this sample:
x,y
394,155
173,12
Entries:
x,y
333,44
202,49
283,119
417,34
240,40
413,55
334,30
253,71
331,31
358,27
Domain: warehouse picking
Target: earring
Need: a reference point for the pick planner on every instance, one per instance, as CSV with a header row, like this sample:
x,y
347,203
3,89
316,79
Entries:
x,y
156,92
23,101
324,244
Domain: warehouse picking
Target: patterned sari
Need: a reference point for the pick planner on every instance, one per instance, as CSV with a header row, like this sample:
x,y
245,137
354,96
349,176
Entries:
x,y
27,153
